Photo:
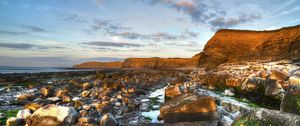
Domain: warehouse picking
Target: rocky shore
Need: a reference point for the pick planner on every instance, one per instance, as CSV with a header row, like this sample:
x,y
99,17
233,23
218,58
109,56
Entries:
x,y
242,78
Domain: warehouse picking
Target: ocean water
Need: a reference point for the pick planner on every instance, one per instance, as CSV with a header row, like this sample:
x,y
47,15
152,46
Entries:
x,y
38,69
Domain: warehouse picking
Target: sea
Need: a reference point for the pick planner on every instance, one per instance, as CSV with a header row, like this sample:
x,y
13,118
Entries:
x,y
9,69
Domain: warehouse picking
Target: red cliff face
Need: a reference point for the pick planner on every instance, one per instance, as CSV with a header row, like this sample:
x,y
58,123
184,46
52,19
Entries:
x,y
228,46
155,63
99,65
160,62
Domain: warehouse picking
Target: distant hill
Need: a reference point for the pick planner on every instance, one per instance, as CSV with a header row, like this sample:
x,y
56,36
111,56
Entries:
x,y
99,65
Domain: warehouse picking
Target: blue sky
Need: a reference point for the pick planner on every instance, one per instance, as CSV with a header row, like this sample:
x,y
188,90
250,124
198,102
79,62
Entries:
x,y
67,32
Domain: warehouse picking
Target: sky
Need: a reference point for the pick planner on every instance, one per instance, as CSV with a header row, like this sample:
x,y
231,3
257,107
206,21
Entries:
x,y
61,33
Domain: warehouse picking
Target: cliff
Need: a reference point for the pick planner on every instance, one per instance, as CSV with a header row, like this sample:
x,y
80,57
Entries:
x,y
99,65
154,63
232,46
160,62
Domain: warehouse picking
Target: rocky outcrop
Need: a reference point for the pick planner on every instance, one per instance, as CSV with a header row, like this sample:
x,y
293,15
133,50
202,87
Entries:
x,y
232,46
108,65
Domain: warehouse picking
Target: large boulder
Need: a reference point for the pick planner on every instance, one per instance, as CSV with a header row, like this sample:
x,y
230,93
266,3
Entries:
x,y
191,107
233,46
52,115
291,102
265,117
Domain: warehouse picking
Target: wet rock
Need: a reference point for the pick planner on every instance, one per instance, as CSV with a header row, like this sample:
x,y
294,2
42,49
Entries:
x,y
89,120
61,93
265,117
189,108
54,99
173,91
226,121
24,114
290,102
274,89
52,115
103,107
85,93
83,113
26,97
86,86
279,75
32,106
108,120
67,99
15,121
47,91
229,92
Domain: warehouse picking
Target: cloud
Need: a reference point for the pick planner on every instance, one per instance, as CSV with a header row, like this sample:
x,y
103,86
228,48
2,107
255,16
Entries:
x,y
27,28
12,32
27,46
221,22
111,44
17,45
73,17
157,36
210,12
108,26
34,28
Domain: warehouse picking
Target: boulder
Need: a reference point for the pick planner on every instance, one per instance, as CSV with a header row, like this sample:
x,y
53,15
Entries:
x,y
108,120
265,117
47,91
274,89
189,108
89,120
279,75
52,115
173,91
15,121
86,86
291,102
32,106
61,93
26,97
24,114
85,93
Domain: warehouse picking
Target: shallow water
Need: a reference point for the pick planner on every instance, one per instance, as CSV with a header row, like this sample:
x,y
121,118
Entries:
x,y
154,113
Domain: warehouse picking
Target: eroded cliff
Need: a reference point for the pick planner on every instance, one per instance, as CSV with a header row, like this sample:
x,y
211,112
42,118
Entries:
x,y
232,46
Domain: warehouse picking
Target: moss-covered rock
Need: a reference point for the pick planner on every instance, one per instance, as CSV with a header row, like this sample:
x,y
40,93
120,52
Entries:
x,y
291,102
266,117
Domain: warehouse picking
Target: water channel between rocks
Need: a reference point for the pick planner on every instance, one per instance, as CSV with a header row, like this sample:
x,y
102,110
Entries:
x,y
159,96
